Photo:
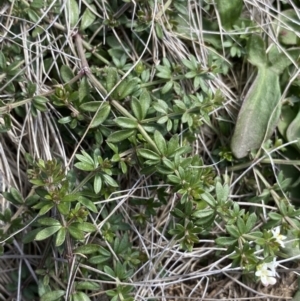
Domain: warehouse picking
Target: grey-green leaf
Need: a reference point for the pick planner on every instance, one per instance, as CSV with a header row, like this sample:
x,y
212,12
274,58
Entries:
x,y
84,88
257,51
73,12
87,249
293,131
97,184
91,106
229,11
279,60
66,73
52,296
111,79
80,296
101,115
160,142
60,237
120,135
136,108
258,115
288,27
148,154
88,18
2,60
145,101
47,232
49,221
125,88
87,285
126,123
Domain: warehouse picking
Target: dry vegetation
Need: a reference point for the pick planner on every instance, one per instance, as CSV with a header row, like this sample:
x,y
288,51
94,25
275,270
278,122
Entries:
x,y
54,62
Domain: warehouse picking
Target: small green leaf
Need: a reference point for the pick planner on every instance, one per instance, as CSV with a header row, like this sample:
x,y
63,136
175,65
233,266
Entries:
x,y
65,120
293,130
39,106
16,195
66,73
2,60
47,232
209,199
49,221
88,17
159,31
37,4
233,231
161,106
87,285
167,87
91,106
110,181
84,166
33,16
64,207
174,179
73,12
80,296
85,226
163,120
60,237
189,64
136,108
98,259
287,26
203,213
125,88
84,88
251,221
164,72
120,135
275,216
52,296
125,122
97,184
40,99
222,192
70,197
85,157
145,102
229,11
109,271
46,208
240,225
75,232
111,79
160,142
226,241
87,249
148,154
279,60
101,116
37,31
7,123
88,204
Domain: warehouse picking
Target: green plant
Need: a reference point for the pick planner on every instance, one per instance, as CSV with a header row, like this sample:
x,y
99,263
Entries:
x,y
120,126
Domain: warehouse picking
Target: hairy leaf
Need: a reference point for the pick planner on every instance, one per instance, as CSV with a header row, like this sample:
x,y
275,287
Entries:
x,y
259,113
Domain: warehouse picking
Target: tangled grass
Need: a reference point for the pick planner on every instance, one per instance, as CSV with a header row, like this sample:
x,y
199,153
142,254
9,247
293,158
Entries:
x,y
48,70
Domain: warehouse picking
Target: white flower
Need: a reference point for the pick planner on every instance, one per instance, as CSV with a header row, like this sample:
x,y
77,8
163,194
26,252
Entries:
x,y
272,266
279,238
266,276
